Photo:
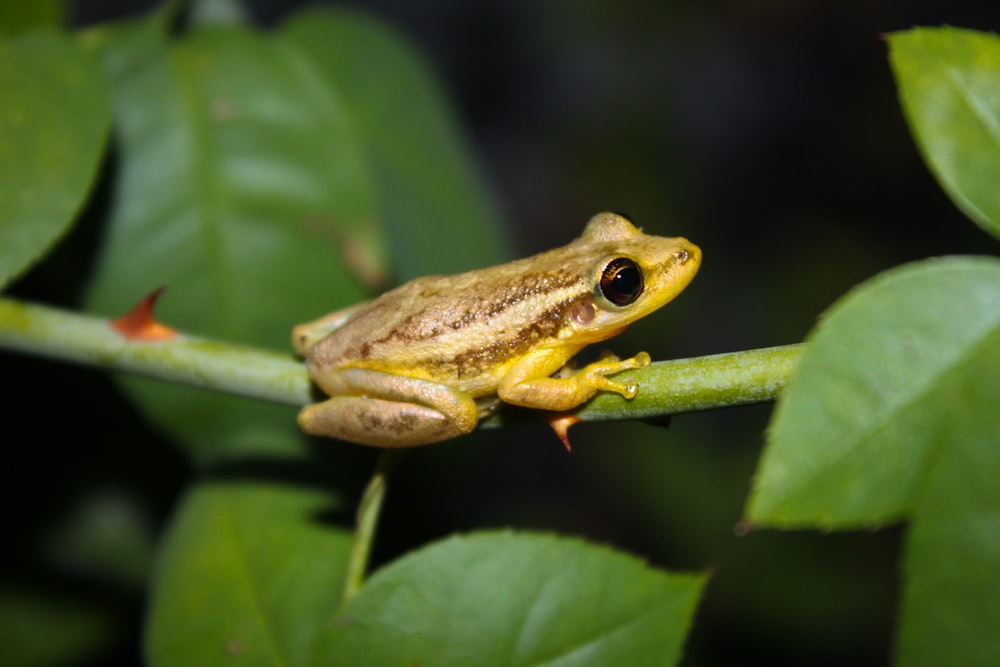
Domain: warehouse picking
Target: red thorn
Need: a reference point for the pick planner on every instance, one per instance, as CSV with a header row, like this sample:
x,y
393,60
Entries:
x,y
561,424
138,324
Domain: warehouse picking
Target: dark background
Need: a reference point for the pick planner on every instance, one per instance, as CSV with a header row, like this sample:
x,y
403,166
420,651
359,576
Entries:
x,y
767,132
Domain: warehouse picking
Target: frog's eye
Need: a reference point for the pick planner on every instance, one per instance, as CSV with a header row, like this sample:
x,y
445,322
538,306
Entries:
x,y
621,281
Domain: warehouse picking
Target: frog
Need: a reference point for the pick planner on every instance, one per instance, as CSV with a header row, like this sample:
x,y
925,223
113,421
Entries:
x,y
427,361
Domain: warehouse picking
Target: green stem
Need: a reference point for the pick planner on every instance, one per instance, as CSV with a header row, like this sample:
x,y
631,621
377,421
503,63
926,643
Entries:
x,y
82,339
369,511
666,387
702,383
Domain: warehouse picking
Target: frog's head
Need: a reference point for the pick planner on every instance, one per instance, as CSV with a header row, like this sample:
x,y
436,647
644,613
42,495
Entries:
x,y
634,275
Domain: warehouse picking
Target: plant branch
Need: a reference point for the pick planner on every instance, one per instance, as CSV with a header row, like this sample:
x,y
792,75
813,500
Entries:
x,y
87,340
666,387
366,522
687,385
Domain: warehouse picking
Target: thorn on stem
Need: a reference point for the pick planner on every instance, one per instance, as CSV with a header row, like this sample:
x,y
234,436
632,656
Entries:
x,y
138,324
560,424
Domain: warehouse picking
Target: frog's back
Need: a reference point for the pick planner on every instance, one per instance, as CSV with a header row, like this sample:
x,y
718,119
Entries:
x,y
463,330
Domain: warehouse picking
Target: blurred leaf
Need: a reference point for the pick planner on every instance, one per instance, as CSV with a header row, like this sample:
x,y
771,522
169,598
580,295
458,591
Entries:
x,y
514,599
39,628
243,186
54,118
431,194
244,190
17,17
880,391
949,81
247,575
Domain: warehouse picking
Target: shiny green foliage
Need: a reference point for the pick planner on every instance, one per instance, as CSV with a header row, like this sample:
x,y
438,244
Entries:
x,y
267,177
892,415
949,83
495,599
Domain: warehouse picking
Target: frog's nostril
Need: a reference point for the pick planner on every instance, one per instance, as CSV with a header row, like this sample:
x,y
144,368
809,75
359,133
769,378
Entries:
x,y
686,253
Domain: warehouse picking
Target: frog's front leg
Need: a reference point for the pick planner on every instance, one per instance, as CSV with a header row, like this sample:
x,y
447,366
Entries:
x,y
529,383
385,410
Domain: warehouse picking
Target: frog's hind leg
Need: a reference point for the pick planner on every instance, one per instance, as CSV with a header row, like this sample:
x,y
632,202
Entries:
x,y
385,410
373,421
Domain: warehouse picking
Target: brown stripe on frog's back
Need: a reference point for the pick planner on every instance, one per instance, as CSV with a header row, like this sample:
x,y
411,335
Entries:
x,y
472,306
479,360
479,349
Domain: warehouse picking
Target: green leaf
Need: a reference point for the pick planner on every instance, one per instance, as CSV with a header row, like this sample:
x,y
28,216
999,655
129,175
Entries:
x,y
514,599
54,119
949,81
248,575
430,189
244,190
893,414
875,394
951,600
17,17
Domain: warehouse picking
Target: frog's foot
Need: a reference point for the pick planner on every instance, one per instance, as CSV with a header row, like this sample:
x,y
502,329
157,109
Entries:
x,y
594,375
562,392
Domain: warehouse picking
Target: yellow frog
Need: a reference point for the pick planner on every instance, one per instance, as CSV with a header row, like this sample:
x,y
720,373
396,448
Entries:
x,y
427,360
